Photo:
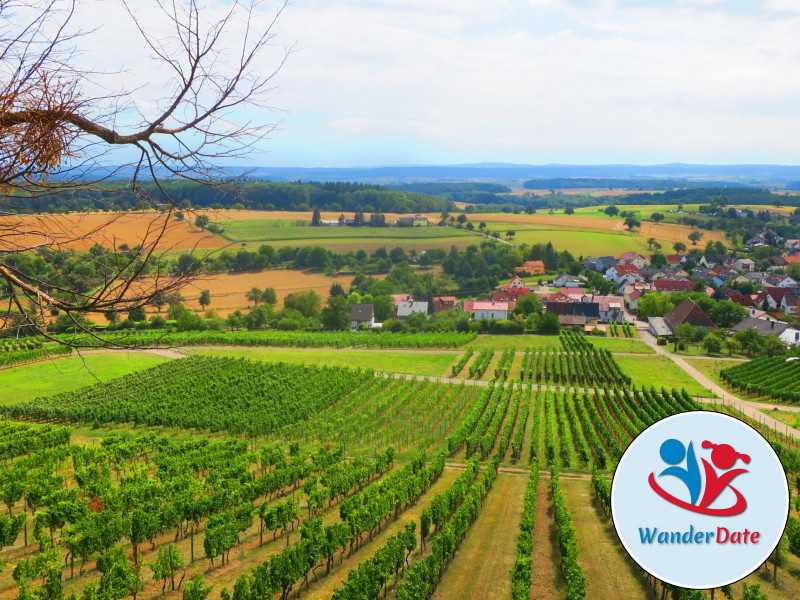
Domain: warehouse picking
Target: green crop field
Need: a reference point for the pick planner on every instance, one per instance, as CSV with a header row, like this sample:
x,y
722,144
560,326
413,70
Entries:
x,y
415,363
660,371
579,241
64,374
285,233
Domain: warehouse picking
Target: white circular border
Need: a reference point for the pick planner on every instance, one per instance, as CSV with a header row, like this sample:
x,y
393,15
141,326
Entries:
x,y
773,453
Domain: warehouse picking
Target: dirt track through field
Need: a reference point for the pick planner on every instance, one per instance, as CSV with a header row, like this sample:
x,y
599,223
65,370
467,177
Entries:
x,y
481,568
546,583
609,571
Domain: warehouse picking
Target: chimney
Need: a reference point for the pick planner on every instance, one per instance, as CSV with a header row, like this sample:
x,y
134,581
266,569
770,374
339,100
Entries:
x,y
772,325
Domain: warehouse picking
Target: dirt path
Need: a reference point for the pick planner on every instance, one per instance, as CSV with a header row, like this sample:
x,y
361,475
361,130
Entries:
x,y
482,566
327,584
546,578
750,409
609,571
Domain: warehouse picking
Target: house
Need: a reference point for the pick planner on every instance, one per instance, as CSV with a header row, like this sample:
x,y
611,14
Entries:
x,y
763,326
633,258
442,303
756,241
632,298
612,308
510,294
744,265
674,259
778,280
712,260
487,309
515,283
571,320
775,296
789,303
398,298
617,272
362,314
564,280
412,221
590,311
673,285
723,278
756,276
405,309
658,326
688,312
599,263
531,267
791,244
792,259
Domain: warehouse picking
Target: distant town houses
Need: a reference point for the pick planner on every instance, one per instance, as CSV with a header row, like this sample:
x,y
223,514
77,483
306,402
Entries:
x,y
531,267
362,315
405,309
632,258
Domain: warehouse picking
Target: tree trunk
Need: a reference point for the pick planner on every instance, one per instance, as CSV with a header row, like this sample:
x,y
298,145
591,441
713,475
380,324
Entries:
x,y
192,542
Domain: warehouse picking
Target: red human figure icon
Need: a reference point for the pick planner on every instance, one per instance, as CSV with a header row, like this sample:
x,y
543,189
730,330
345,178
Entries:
x,y
724,457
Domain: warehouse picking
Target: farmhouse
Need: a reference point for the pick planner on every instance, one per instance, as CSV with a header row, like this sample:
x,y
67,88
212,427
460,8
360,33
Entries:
x,y
628,271
673,285
565,280
442,303
412,221
488,309
404,309
531,267
688,312
633,258
362,314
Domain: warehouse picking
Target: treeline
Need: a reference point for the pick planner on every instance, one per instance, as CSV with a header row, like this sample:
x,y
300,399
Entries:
x,y
251,195
472,192
570,183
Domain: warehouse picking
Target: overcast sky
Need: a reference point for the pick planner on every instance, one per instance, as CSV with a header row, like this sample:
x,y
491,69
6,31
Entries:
x,y
537,81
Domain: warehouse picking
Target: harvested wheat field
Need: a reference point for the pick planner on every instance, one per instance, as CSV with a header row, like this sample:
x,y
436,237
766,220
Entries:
x,y
678,233
228,290
81,231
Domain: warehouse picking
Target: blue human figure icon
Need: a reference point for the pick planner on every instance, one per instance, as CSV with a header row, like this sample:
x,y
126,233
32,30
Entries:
x,y
672,453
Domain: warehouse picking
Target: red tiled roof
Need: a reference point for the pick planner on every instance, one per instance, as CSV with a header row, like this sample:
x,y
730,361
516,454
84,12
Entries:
x,y
489,305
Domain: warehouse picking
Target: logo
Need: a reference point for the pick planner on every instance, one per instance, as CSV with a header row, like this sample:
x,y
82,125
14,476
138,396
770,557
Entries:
x,y
723,457
699,500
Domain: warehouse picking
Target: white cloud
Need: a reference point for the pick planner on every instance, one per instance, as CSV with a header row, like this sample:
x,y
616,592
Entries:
x,y
545,81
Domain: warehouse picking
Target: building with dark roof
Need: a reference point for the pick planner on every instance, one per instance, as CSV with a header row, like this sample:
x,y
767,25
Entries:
x,y
688,312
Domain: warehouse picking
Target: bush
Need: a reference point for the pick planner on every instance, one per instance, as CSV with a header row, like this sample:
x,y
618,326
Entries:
x,y
661,341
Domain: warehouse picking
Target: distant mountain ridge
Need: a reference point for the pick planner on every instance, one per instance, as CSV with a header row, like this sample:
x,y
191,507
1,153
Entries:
x,y
774,176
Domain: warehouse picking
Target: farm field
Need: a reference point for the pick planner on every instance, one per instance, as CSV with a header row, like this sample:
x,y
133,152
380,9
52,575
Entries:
x,y
26,382
660,370
243,464
626,345
228,289
81,231
280,233
416,363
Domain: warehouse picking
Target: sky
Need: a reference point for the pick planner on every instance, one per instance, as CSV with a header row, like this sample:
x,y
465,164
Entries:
x,y
399,82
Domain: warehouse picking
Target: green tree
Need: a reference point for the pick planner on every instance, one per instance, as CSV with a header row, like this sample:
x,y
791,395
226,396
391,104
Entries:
x,y
510,233
235,320
119,578
137,315
336,316
683,335
773,346
254,295
195,589
169,560
201,221
205,298
306,302
749,340
269,296
547,324
632,223
712,343
569,211
654,304
316,218
695,236
679,247
658,260
657,217
611,211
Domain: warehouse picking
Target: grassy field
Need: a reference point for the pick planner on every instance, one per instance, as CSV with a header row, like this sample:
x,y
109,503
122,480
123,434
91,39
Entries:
x,y
278,232
659,371
64,374
415,363
626,345
520,342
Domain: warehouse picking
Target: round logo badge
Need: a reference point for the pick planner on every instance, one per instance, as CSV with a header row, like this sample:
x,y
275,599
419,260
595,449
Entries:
x,y
700,500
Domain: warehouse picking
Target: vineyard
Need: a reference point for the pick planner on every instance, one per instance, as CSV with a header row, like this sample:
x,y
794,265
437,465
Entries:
x,y
776,377
233,479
